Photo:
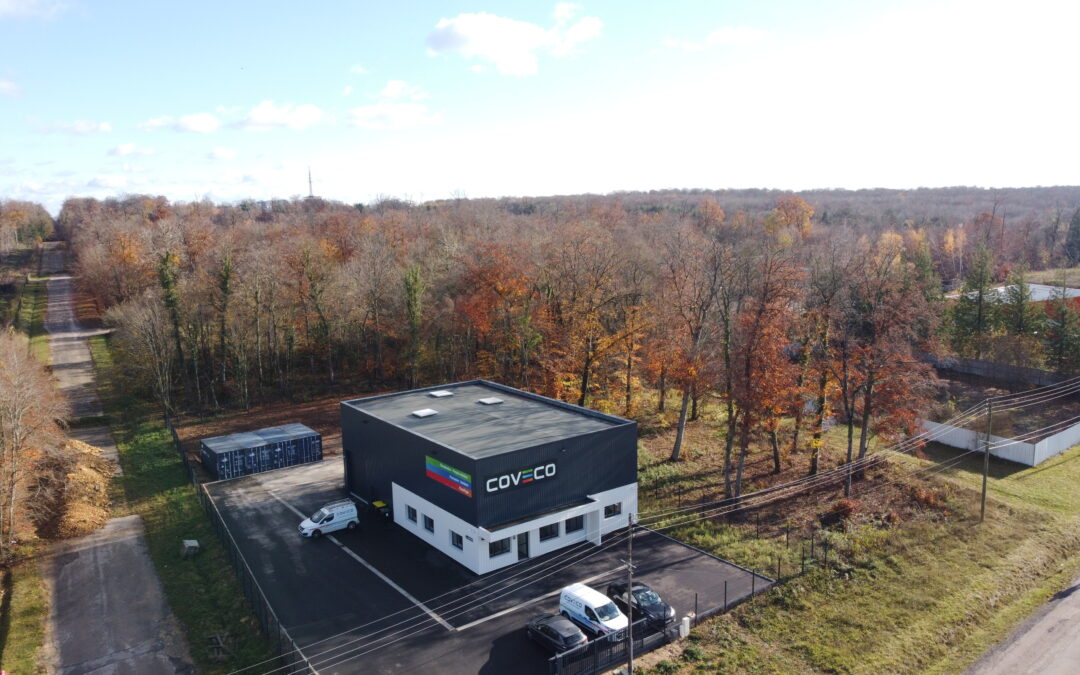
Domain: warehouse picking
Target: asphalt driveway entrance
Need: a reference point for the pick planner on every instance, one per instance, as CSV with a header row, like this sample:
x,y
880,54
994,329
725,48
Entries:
x,y
379,600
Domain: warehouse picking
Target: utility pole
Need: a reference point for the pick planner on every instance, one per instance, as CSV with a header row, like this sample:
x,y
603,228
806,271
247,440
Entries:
x,y
310,191
986,455
630,590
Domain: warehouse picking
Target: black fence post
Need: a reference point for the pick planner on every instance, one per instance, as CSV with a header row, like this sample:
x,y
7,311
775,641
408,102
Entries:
x,y
695,609
778,567
725,595
753,585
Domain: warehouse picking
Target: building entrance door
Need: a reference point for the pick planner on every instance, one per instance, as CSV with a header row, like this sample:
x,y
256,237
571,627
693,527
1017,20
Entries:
x,y
523,545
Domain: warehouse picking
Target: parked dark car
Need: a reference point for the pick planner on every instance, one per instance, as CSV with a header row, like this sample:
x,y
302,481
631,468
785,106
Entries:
x,y
555,632
646,604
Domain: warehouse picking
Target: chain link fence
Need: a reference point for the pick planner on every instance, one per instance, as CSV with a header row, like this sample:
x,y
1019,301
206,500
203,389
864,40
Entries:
x,y
289,654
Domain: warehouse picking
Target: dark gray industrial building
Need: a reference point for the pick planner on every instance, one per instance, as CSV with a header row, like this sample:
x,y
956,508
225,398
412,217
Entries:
x,y
250,452
489,474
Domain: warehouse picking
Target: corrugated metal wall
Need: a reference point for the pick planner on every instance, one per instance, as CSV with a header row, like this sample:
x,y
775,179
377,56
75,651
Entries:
x,y
277,451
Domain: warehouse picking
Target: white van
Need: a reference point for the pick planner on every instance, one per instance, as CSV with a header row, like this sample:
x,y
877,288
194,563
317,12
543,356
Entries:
x,y
592,610
330,518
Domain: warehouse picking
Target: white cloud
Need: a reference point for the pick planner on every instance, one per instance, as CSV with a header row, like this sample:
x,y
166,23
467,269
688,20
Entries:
x,y
727,36
24,8
511,45
221,154
269,115
78,127
125,149
396,89
108,181
392,115
347,90
200,123
358,69
9,88
397,106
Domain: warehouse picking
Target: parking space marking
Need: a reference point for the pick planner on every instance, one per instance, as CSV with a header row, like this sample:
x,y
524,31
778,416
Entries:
x,y
370,568
535,600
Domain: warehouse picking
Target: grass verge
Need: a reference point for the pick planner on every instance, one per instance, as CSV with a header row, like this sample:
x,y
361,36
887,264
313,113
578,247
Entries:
x,y
926,595
202,591
22,625
31,319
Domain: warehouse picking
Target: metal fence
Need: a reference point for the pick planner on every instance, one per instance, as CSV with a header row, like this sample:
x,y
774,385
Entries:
x,y
998,371
605,653
289,654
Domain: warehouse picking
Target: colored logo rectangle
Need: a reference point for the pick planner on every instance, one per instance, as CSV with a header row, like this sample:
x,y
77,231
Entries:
x,y
455,479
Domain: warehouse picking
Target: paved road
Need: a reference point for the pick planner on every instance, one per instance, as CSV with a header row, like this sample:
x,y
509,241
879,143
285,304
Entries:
x,y
374,623
71,363
108,614
1046,644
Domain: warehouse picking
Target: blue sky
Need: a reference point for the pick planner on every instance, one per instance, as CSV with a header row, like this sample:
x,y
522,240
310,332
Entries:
x,y
424,100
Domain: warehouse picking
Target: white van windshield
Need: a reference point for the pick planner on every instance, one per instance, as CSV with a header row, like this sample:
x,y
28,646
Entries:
x,y
607,612
318,516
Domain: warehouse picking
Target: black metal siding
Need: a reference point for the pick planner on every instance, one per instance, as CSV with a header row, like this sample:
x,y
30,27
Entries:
x,y
585,465
377,453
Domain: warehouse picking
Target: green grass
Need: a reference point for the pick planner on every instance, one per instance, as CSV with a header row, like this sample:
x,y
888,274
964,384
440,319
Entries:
x,y
31,319
14,266
22,627
202,591
929,595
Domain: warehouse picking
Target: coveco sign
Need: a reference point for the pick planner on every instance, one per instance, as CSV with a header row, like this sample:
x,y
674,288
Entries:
x,y
520,477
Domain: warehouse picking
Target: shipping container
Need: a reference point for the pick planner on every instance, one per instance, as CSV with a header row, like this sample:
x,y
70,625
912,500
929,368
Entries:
x,y
251,452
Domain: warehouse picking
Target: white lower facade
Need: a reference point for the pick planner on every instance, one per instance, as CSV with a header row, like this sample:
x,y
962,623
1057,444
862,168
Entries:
x,y
483,551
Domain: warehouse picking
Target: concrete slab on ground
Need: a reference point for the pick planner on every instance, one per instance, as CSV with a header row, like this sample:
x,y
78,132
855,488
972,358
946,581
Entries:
x,y
380,600
107,610
1048,643
69,352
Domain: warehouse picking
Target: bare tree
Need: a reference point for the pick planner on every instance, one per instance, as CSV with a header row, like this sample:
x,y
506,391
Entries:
x,y
31,412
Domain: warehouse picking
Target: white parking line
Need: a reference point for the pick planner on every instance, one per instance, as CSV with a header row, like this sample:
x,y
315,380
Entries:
x,y
368,565
515,608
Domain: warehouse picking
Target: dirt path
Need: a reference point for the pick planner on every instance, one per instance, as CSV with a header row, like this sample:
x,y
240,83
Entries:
x,y
70,355
1046,644
107,611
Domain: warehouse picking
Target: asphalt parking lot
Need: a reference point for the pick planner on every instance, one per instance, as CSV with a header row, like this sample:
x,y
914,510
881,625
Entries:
x,y
379,600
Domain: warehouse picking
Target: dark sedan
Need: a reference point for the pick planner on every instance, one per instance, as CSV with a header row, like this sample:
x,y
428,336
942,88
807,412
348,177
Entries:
x,y
646,603
556,632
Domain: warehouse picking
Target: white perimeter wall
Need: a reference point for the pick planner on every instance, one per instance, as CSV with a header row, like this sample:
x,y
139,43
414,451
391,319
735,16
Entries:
x,y
1021,452
475,540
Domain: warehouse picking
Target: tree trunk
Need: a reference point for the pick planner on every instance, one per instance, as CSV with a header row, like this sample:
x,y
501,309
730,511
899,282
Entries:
x,y
775,450
682,425
729,445
663,387
864,433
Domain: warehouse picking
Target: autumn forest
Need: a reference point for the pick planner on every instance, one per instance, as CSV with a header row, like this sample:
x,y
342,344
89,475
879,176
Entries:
x,y
779,312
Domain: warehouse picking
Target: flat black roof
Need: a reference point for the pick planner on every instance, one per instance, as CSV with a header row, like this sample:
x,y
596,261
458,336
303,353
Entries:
x,y
461,422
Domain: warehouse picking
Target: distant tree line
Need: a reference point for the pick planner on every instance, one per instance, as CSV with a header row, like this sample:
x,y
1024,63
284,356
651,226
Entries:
x,y
782,317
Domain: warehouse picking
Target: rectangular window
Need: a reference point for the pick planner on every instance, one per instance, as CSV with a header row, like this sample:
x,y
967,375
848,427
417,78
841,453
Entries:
x,y
411,513
612,510
499,547
455,540
429,524
549,531
574,524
